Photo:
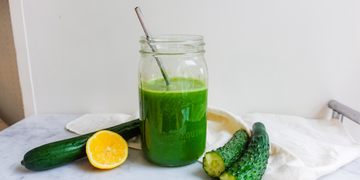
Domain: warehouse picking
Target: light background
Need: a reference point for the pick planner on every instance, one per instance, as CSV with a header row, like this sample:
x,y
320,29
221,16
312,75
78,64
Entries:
x,y
275,56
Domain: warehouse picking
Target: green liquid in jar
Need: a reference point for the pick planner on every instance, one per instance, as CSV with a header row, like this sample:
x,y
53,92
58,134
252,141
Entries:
x,y
173,120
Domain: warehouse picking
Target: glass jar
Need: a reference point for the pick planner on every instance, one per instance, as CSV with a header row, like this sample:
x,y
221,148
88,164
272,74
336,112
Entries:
x,y
173,117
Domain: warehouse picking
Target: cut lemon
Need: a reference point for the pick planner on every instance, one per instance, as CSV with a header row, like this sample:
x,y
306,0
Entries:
x,y
106,149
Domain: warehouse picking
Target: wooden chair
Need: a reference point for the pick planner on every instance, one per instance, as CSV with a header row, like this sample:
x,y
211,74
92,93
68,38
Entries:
x,y
3,125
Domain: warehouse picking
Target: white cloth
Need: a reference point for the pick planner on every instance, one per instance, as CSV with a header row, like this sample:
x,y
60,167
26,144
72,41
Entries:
x,y
305,149
302,149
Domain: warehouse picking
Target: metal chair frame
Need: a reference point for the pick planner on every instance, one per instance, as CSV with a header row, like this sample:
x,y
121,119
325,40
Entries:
x,y
340,110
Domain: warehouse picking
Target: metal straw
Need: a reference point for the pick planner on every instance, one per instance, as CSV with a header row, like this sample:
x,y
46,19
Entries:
x,y
150,42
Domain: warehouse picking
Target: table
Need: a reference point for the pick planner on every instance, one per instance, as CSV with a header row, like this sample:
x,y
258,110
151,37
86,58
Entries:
x,y
39,129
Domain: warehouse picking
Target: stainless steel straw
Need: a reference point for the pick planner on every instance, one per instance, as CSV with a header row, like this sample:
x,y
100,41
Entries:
x,y
150,42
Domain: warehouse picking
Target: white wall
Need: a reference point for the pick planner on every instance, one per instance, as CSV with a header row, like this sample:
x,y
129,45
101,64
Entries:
x,y
286,57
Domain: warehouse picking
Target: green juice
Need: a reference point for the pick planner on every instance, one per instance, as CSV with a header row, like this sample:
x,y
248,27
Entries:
x,y
173,120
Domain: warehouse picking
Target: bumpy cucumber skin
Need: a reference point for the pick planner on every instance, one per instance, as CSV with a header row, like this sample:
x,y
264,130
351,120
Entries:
x,y
65,151
234,148
231,151
252,165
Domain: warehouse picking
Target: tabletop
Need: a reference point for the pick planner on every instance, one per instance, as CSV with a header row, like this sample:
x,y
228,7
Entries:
x,y
39,129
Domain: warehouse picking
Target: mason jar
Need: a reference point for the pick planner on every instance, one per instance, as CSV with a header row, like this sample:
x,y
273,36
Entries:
x,y
173,114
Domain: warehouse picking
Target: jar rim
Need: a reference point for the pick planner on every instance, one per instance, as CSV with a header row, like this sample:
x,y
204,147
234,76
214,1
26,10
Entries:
x,y
173,38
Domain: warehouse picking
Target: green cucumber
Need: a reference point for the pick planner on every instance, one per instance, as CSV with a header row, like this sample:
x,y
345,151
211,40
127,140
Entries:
x,y
252,164
215,162
65,151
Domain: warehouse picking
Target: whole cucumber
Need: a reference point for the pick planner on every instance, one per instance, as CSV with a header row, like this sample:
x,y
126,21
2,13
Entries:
x,y
65,151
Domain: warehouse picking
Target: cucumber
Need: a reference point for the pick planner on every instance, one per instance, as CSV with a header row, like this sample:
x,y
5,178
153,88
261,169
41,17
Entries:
x,y
215,162
252,164
65,151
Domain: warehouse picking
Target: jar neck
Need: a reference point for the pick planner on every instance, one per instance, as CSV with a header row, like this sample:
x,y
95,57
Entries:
x,y
173,44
